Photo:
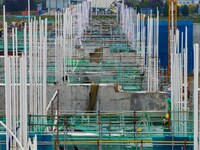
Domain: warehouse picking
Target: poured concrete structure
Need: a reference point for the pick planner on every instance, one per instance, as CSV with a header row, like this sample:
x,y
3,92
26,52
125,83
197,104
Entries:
x,y
75,98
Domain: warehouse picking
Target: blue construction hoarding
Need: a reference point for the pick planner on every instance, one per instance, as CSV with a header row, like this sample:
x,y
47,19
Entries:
x,y
163,42
44,141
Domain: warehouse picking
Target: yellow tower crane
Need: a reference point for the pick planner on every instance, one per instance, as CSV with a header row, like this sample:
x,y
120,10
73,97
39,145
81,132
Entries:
x,y
172,15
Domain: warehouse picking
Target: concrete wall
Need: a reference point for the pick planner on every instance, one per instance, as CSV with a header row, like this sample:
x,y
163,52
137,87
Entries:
x,y
75,98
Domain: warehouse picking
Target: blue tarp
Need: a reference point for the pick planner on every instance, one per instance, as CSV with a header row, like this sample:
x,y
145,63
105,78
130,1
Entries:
x,y
41,138
163,143
163,42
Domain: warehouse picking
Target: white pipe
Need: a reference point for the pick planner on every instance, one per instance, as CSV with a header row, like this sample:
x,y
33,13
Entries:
x,y
157,46
21,104
6,99
181,116
7,129
13,83
45,69
185,81
196,81
172,21
29,11
52,99
25,112
5,32
185,72
17,80
31,103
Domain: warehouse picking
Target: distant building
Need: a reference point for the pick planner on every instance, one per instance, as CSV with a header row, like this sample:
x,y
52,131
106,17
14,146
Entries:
x,y
102,3
57,4
186,2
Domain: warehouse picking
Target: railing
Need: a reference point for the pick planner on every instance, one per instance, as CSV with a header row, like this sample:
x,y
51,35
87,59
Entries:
x,y
124,129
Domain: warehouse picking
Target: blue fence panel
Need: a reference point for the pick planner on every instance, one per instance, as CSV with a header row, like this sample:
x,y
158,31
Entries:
x,y
163,42
163,143
41,138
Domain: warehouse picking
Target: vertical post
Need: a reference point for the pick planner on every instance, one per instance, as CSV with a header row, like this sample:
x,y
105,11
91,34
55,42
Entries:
x,y
185,145
5,32
44,68
141,146
96,6
134,124
185,81
29,11
17,89
52,116
98,145
157,45
13,85
100,131
6,61
58,113
31,67
169,122
196,80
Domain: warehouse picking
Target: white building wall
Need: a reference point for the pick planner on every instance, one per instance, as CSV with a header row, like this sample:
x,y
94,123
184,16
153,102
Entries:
x,y
57,3
64,3
101,3
186,2
195,1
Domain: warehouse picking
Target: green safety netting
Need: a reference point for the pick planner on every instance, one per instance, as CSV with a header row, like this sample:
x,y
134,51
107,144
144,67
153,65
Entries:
x,y
119,48
20,44
111,71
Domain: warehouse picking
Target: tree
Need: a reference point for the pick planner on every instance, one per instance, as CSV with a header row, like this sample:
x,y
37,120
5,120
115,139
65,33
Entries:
x,y
145,4
193,8
165,10
178,12
13,5
157,8
33,5
131,3
138,9
185,10
151,3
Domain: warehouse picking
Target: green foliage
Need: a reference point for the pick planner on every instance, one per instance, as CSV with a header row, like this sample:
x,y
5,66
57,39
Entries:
x,y
193,8
185,10
151,3
157,8
22,5
178,12
165,10
131,3
12,5
138,9
145,4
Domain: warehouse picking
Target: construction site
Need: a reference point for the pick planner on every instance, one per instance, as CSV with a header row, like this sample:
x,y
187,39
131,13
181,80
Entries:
x,y
88,81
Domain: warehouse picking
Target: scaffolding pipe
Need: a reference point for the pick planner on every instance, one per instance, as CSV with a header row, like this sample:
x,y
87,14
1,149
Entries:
x,y
196,104
13,135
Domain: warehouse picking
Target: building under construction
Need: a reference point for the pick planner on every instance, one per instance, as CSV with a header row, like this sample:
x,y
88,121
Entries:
x,y
92,82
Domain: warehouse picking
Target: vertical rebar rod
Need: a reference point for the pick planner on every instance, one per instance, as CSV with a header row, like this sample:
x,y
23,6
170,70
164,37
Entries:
x,y
196,104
